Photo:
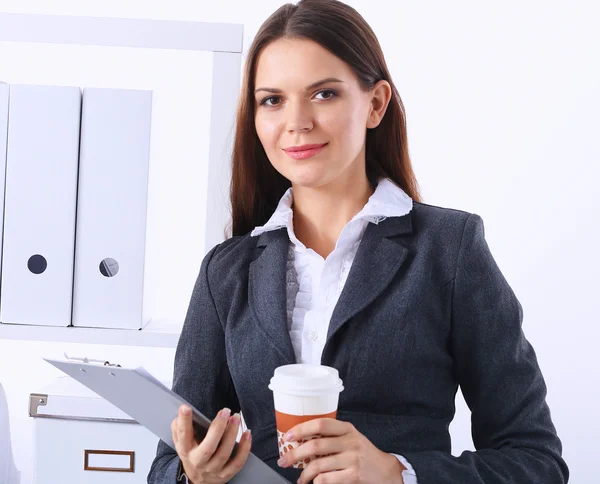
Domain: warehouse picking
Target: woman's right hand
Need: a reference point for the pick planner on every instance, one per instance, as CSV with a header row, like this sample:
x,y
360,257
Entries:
x,y
208,462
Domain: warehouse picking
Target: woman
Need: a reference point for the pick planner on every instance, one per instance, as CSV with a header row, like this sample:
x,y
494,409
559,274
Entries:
x,y
334,260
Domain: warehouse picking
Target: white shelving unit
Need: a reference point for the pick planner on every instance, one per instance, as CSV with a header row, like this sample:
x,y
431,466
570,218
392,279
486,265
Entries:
x,y
225,42
159,334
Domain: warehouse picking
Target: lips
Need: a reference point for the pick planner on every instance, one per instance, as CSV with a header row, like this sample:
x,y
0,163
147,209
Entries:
x,y
304,151
305,147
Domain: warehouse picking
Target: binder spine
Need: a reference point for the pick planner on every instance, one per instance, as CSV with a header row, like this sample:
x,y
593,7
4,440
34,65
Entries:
x,y
112,206
4,97
39,211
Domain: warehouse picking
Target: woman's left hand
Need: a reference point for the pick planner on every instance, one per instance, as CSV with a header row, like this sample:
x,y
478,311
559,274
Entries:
x,y
344,455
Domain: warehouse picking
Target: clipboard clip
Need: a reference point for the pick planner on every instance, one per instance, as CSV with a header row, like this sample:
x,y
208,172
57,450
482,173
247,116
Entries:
x,y
89,360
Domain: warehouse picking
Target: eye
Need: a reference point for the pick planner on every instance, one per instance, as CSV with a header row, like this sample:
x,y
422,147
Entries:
x,y
331,93
264,101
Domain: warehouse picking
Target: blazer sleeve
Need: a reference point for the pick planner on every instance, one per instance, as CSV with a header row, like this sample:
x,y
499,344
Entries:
x,y
499,376
201,375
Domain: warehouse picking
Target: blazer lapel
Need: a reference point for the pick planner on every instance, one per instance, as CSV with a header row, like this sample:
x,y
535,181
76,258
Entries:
x,y
377,261
267,291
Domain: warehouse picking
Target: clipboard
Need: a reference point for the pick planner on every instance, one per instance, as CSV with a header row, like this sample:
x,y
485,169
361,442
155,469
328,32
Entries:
x,y
145,399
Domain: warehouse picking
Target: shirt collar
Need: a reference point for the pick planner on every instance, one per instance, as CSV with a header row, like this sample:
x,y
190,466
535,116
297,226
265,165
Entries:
x,y
388,200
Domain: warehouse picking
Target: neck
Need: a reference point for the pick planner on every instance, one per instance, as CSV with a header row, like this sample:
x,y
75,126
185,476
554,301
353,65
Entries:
x,y
320,214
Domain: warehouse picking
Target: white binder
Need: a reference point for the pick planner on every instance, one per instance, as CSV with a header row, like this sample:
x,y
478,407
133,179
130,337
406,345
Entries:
x,y
4,93
111,210
40,198
145,399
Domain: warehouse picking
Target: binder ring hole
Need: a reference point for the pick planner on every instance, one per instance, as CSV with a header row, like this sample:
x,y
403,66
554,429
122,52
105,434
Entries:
x,y
37,264
109,267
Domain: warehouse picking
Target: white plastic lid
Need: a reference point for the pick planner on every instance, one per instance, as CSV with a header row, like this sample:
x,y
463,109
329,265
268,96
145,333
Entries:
x,y
306,380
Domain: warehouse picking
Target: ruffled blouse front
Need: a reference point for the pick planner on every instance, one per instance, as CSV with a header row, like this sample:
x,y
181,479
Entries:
x,y
314,284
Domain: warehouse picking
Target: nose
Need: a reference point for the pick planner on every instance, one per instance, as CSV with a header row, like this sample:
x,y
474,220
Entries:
x,y
299,118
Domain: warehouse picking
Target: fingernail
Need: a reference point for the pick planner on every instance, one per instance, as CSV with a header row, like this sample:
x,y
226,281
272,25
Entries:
x,y
289,437
235,419
248,435
281,462
186,410
225,413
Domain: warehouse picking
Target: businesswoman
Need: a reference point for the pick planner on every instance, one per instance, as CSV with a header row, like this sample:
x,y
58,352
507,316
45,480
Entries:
x,y
334,260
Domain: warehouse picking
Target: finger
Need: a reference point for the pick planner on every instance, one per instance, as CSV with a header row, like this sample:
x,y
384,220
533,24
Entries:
x,y
335,477
325,427
223,452
325,465
174,431
185,433
235,465
323,446
203,453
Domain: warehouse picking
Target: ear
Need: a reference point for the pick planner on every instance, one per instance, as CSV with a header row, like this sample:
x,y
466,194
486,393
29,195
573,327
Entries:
x,y
380,94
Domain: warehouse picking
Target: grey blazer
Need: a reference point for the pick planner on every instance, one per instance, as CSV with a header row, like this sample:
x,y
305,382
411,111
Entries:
x,y
425,309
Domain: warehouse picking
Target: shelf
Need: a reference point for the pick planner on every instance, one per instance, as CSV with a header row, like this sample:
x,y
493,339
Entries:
x,y
122,32
225,42
157,333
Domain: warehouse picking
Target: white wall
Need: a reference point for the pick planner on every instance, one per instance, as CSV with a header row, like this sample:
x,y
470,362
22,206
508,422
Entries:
x,y
502,102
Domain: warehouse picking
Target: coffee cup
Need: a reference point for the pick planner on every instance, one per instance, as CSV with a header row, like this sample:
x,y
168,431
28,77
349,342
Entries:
x,y
301,393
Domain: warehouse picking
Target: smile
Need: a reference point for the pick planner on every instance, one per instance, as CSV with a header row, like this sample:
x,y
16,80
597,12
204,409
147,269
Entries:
x,y
303,154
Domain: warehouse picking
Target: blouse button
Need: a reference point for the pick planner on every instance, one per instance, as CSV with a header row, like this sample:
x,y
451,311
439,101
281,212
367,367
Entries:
x,y
312,335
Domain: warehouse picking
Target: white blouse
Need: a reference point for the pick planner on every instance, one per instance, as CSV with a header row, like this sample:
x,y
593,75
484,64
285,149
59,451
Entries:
x,y
314,284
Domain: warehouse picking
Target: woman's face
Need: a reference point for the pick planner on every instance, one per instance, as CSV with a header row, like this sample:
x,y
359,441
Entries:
x,y
291,110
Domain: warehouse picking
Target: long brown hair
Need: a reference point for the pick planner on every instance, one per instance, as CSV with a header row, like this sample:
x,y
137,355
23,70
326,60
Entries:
x,y
256,186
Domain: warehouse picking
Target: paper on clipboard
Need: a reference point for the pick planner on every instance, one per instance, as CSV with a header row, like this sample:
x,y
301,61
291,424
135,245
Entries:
x,y
145,399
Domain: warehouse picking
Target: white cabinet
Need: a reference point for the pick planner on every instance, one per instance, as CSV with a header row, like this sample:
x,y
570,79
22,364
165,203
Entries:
x,y
80,437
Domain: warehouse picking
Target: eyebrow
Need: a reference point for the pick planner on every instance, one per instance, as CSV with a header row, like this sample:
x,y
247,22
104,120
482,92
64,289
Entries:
x,y
308,88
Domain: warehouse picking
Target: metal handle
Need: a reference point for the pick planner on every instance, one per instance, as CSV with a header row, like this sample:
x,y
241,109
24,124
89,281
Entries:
x,y
123,468
36,400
